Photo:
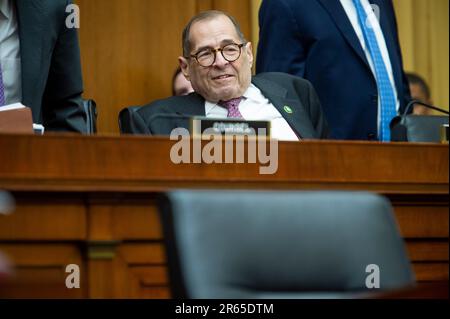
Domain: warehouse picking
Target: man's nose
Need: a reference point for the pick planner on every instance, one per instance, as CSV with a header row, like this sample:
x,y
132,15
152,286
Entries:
x,y
220,60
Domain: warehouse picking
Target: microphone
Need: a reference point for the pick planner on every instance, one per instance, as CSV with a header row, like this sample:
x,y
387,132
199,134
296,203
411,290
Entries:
x,y
410,105
417,128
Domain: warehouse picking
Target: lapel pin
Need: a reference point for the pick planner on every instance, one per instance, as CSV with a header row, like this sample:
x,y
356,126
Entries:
x,y
288,109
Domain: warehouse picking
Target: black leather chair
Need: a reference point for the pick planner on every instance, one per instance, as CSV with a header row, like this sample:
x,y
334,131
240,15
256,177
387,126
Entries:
x,y
419,128
90,109
125,119
247,244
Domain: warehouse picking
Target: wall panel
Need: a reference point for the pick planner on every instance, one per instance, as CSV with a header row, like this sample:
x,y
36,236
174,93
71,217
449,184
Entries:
x,y
129,51
423,31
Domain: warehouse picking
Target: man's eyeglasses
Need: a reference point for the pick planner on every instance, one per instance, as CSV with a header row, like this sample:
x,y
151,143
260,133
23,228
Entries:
x,y
230,52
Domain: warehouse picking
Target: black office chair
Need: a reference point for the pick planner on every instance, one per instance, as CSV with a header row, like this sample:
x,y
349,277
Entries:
x,y
125,119
419,128
90,109
241,244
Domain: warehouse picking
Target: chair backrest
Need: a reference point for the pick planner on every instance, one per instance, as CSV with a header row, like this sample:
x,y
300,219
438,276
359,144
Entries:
x,y
90,108
247,244
418,128
125,118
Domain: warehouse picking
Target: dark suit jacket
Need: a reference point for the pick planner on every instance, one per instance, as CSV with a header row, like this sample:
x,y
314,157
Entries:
x,y
307,121
314,39
51,69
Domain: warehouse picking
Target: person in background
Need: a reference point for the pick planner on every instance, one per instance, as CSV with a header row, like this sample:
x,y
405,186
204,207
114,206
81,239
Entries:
x,y
419,91
180,86
40,63
348,50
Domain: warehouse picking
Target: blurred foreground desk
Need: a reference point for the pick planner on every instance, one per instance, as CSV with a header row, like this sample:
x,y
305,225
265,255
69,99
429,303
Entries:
x,y
90,201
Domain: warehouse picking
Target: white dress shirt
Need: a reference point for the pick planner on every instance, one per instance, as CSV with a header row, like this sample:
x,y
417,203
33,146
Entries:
x,y
10,52
350,9
256,107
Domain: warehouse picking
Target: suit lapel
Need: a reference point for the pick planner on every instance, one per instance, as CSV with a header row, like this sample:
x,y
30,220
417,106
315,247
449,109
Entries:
x,y
292,110
30,18
193,105
338,14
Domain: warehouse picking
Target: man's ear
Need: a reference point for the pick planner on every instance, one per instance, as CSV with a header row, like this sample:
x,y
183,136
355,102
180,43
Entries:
x,y
249,49
184,66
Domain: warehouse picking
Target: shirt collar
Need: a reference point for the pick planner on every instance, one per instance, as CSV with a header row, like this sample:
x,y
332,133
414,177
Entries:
x,y
5,8
252,93
209,106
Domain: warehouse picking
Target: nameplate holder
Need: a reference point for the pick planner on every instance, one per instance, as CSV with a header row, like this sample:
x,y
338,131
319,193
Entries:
x,y
203,127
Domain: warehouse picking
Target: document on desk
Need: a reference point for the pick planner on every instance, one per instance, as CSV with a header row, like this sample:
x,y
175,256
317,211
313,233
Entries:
x,y
17,118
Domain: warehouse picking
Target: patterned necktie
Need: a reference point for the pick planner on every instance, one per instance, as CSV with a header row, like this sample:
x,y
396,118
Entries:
x,y
2,88
233,107
385,89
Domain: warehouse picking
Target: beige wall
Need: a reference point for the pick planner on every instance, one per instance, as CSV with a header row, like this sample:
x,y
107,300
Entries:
x,y
255,4
423,30
424,37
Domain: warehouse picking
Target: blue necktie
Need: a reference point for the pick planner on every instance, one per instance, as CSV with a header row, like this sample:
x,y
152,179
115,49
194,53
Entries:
x,y
385,89
2,88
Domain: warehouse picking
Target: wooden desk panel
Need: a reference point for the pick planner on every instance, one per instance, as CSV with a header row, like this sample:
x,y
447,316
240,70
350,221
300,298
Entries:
x,y
80,163
39,270
92,201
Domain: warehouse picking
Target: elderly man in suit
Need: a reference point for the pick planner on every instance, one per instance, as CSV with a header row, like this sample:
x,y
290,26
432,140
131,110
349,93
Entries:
x,y
350,52
217,60
40,63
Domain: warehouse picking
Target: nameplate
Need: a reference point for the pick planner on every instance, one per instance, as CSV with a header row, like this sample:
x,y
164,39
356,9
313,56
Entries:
x,y
201,126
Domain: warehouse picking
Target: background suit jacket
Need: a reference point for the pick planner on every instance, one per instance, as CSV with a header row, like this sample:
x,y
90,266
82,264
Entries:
x,y
307,120
51,71
314,39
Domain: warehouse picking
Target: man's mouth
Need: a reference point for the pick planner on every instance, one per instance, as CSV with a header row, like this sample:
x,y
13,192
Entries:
x,y
222,77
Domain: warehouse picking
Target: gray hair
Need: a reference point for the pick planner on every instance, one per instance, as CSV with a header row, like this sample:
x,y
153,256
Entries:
x,y
206,15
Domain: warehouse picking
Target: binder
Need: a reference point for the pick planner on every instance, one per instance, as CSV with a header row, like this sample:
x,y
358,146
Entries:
x,y
16,118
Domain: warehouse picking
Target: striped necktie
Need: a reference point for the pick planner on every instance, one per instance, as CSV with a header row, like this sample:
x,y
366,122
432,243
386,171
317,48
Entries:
x,y
385,89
